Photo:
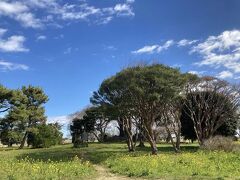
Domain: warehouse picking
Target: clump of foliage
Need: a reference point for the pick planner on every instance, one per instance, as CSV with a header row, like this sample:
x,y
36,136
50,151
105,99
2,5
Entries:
x,y
79,129
9,131
219,143
44,136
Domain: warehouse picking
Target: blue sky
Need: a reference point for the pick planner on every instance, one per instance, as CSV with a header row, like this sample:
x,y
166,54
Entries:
x,y
69,47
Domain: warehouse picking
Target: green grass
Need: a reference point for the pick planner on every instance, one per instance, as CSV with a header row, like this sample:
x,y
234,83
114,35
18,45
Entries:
x,y
61,162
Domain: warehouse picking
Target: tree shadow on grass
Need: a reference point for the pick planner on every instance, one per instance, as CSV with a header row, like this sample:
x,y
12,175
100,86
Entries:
x,y
96,153
167,148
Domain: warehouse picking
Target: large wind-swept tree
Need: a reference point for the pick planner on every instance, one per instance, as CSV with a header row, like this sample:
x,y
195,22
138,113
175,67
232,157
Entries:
x,y
139,94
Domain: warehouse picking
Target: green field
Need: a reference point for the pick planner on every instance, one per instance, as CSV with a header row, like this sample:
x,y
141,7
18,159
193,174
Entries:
x,y
64,162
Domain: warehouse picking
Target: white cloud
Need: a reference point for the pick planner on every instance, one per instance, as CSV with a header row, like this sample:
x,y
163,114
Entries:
x,y
9,8
186,42
41,37
13,44
37,13
130,1
193,72
19,11
123,10
222,51
154,48
63,120
225,74
199,73
165,46
9,66
146,49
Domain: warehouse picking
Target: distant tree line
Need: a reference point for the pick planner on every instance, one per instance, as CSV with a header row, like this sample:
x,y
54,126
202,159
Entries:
x,y
24,119
144,98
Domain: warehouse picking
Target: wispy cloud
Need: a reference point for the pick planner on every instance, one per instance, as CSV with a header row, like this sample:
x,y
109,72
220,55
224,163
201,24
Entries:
x,y
9,66
225,74
199,73
63,120
19,11
109,47
41,37
222,51
186,42
38,13
149,49
154,48
12,44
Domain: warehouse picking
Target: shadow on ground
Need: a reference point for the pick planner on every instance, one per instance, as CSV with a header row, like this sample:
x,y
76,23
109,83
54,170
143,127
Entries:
x,y
96,153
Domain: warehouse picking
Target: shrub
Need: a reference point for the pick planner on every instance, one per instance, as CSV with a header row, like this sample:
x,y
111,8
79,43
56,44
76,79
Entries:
x,y
44,136
219,143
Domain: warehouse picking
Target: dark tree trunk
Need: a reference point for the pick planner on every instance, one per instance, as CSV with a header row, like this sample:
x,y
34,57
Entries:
x,y
96,136
23,140
141,141
121,128
153,147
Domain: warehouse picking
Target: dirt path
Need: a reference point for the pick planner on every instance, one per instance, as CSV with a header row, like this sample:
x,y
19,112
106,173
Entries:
x,y
104,174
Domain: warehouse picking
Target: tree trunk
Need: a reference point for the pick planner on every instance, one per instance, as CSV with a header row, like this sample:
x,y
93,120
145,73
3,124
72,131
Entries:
x,y
121,128
153,147
178,141
150,137
141,140
23,140
128,132
141,136
96,136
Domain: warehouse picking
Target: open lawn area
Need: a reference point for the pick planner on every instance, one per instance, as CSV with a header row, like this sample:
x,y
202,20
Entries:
x,y
65,162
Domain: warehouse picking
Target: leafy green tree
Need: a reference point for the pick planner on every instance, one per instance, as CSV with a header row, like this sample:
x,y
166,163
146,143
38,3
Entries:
x,y
138,94
28,108
113,96
44,135
79,127
97,115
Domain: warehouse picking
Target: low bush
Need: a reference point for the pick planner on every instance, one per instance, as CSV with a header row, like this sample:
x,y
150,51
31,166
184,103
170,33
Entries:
x,y
220,143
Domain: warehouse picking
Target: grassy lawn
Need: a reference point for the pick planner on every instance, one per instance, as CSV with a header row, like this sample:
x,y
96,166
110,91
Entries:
x,y
60,162
64,162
